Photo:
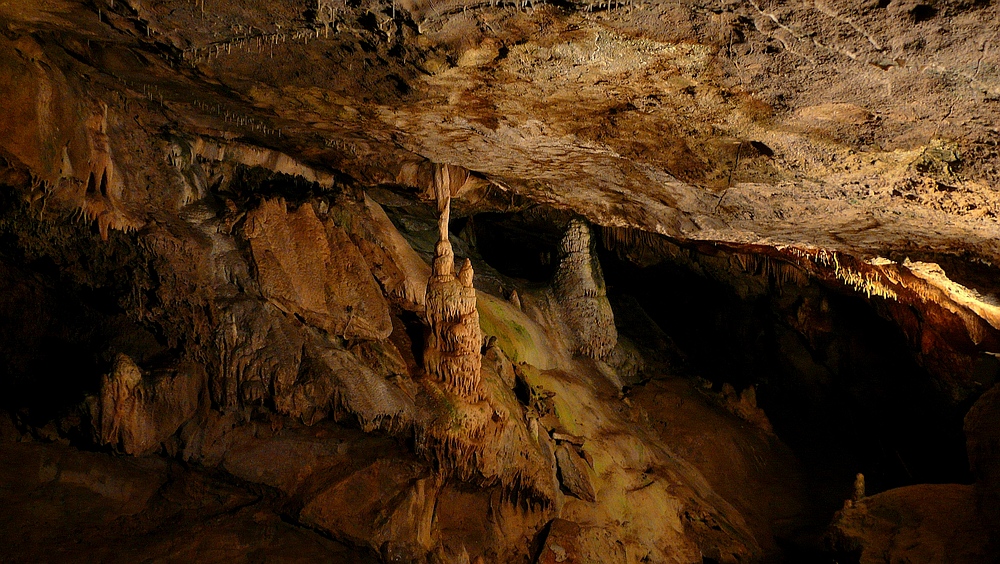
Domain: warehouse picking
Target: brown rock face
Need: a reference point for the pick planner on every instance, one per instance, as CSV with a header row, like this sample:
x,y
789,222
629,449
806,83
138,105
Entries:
x,y
982,430
923,523
265,358
315,270
239,198
453,352
390,500
574,474
397,267
121,509
135,414
579,289
569,542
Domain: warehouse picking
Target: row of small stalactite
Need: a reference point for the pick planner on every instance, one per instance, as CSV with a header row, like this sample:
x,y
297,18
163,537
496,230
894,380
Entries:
x,y
626,241
870,282
781,272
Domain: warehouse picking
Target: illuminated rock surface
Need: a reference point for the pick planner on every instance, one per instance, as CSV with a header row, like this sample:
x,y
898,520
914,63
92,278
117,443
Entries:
x,y
500,282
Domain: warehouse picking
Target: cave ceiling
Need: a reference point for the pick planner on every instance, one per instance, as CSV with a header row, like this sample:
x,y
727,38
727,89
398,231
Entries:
x,y
868,128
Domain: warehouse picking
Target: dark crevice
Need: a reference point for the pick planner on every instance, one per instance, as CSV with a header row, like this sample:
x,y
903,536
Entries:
x,y
841,385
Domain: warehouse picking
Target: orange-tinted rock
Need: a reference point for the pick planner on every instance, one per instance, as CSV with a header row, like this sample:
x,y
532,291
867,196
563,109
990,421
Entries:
x,y
314,270
135,414
568,542
322,454
398,268
259,356
926,523
389,500
452,354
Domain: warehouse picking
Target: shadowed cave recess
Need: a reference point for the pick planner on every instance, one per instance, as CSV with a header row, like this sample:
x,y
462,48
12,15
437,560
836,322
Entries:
x,y
452,283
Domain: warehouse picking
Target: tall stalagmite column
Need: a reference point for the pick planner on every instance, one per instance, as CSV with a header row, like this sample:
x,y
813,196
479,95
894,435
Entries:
x,y
452,355
579,288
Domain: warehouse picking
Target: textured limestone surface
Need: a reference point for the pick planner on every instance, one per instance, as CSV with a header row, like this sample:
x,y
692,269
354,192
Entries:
x,y
579,289
315,271
245,304
864,128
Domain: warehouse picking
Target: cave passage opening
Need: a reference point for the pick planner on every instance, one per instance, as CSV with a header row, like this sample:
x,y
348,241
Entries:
x,y
841,385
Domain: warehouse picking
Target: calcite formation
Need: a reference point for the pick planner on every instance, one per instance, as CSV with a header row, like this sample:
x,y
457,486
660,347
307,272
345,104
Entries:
x,y
133,414
147,152
121,394
397,267
266,359
453,351
579,288
310,268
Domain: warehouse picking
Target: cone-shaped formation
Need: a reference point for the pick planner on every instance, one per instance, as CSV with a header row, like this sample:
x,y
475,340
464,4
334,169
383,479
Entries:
x,y
579,288
452,354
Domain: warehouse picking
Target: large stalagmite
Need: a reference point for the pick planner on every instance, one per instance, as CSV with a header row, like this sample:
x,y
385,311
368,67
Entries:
x,y
452,354
579,288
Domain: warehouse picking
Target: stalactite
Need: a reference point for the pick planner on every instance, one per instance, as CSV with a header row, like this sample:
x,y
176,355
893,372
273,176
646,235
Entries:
x,y
775,270
636,245
98,207
869,282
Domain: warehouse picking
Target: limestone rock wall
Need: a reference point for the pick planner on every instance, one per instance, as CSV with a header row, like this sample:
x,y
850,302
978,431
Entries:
x,y
134,414
92,98
268,360
398,268
314,270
